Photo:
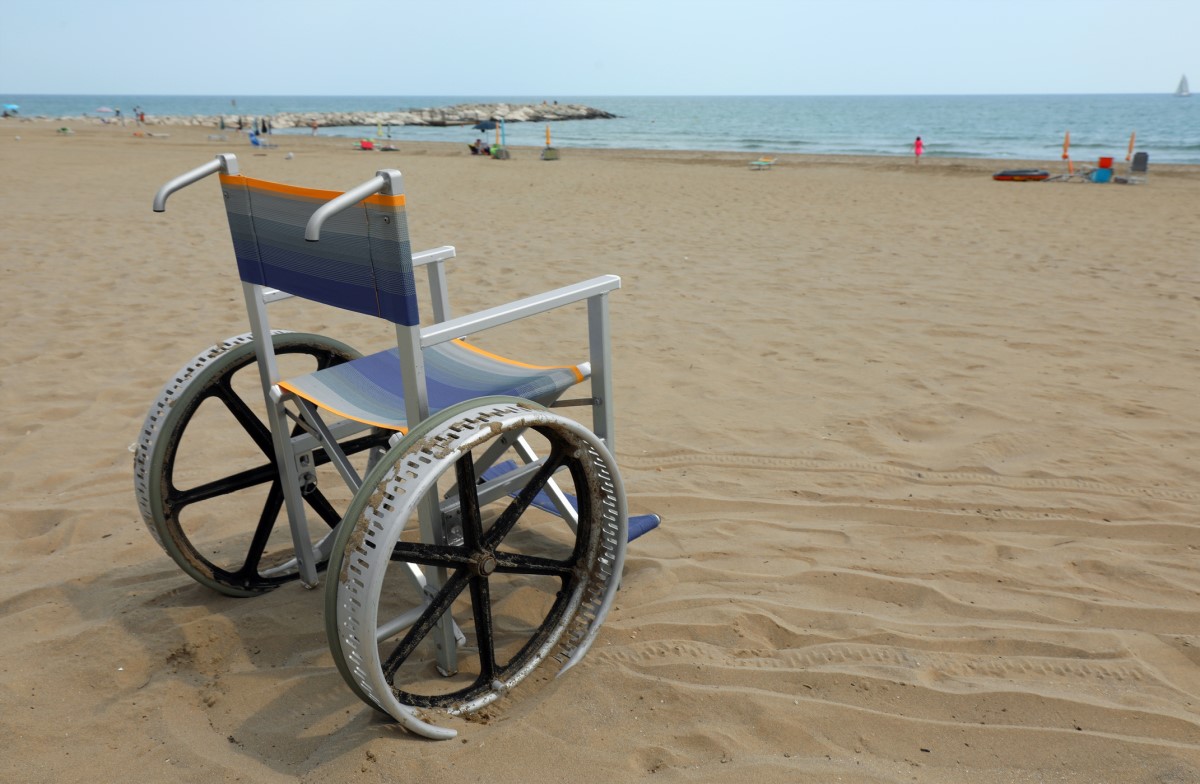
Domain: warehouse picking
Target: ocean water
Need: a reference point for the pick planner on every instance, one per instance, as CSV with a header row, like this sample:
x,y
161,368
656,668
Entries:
x,y
992,126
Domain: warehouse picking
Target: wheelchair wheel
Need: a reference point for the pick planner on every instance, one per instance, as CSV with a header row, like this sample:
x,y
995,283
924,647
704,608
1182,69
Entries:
x,y
204,467
517,583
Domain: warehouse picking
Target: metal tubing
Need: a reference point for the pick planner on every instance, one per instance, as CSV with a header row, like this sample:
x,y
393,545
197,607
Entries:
x,y
225,162
600,349
438,293
385,180
494,317
440,253
331,446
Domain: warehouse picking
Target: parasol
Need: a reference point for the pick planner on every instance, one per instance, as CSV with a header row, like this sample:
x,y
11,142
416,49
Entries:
x,y
550,153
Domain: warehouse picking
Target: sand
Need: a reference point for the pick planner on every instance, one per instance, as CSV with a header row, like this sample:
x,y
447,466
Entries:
x,y
926,447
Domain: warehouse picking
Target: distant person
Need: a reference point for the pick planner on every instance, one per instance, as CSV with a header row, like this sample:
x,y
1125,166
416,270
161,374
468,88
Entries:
x,y
313,125
918,149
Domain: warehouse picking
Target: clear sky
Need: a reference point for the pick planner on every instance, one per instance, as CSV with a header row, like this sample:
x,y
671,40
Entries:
x,y
601,47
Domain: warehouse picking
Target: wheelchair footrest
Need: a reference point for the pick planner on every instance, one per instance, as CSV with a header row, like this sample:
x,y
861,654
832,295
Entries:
x,y
638,524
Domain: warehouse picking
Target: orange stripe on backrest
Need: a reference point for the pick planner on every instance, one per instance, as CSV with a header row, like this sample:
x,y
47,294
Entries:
x,y
317,194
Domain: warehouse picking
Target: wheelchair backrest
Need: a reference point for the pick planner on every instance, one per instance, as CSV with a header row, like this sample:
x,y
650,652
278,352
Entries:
x,y
363,261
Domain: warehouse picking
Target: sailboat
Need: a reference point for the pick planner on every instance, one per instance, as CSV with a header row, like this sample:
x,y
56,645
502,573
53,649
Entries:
x,y
1182,90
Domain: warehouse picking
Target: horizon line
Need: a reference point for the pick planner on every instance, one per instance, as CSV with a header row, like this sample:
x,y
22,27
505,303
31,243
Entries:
x,y
582,95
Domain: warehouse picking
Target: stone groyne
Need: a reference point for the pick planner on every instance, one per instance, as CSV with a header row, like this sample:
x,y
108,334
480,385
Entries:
x,y
461,114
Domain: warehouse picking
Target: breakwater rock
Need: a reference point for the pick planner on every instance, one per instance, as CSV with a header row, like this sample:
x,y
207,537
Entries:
x,y
461,114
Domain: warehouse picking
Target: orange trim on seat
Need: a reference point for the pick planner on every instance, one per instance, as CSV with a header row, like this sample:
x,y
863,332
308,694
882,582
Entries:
x,y
573,368
317,194
342,414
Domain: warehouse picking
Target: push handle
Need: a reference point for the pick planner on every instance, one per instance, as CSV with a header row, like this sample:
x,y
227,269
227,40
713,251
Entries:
x,y
225,162
386,181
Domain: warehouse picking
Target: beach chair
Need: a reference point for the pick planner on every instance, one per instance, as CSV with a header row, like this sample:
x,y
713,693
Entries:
x,y
258,141
469,530
762,164
1139,168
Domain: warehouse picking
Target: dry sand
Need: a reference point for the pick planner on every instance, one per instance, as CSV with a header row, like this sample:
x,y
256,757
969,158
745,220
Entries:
x,y
926,447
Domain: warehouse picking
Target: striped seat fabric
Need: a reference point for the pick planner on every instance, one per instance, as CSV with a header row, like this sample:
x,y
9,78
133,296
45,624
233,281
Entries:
x,y
362,263
368,389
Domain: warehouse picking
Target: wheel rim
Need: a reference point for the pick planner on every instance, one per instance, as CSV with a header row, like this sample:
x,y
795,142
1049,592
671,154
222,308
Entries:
x,y
480,556
565,589
172,501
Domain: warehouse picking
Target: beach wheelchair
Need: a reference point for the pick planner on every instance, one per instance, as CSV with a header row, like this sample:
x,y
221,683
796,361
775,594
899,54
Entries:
x,y
469,532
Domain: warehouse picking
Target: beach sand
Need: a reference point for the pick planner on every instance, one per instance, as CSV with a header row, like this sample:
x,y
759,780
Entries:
x,y
925,445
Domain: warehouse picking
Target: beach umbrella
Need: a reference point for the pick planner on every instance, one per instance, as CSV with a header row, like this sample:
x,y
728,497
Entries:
x,y
549,154
11,107
1067,153
104,110
484,125
1129,154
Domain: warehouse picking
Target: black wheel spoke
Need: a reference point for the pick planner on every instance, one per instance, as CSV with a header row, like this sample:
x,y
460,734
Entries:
x,y
514,563
468,500
481,606
448,556
320,504
504,525
438,607
245,416
251,477
262,532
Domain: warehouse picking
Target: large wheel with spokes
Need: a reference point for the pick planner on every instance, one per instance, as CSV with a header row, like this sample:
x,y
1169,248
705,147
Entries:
x,y
511,582
205,474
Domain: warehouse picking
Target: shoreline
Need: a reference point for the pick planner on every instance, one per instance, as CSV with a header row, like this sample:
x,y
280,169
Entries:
x,y
296,142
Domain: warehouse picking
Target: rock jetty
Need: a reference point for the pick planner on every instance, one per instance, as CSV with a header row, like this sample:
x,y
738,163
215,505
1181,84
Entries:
x,y
461,114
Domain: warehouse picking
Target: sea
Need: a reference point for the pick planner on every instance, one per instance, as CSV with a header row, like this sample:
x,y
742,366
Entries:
x,y
1027,127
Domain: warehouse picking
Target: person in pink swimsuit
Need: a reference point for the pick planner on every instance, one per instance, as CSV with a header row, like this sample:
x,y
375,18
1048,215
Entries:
x,y
918,149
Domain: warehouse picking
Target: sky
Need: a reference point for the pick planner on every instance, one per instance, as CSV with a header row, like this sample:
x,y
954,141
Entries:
x,y
602,47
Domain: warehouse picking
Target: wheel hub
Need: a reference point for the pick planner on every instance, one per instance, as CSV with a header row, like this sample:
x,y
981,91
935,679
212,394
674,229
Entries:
x,y
483,564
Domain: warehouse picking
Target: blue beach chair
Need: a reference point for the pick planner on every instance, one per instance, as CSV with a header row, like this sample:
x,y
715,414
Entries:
x,y
470,531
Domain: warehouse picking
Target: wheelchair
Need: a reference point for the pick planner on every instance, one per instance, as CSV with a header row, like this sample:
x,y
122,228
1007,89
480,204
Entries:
x,y
468,531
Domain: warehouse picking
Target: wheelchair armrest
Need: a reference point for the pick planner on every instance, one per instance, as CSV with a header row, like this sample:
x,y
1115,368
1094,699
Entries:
x,y
522,308
433,254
